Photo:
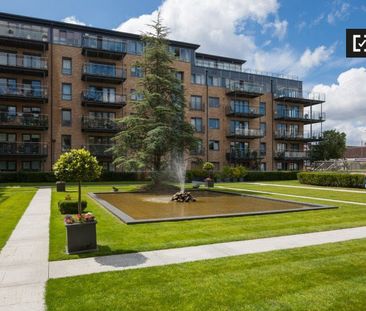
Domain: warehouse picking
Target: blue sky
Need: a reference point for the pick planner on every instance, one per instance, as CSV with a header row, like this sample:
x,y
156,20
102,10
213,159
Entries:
x,y
304,38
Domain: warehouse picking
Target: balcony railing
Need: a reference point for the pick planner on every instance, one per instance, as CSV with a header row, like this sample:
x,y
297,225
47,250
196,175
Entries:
x,y
198,151
289,135
99,150
241,155
12,63
306,117
99,124
104,73
23,149
104,47
23,92
296,96
23,120
245,133
244,112
102,99
292,155
245,90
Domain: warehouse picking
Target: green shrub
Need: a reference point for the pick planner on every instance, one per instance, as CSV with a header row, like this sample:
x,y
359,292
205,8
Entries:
x,y
332,179
227,172
239,171
70,207
271,176
196,174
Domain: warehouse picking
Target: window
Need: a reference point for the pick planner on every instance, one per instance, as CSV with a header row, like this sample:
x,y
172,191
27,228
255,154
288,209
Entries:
x,y
108,166
180,75
66,117
214,123
263,167
262,108
281,147
197,124
293,166
31,165
32,61
10,138
213,81
239,106
180,53
214,145
101,94
65,143
32,110
197,79
32,88
8,86
135,47
135,95
214,102
8,166
66,66
198,149
102,115
31,138
136,71
67,37
196,103
279,166
262,149
66,91
8,58
263,128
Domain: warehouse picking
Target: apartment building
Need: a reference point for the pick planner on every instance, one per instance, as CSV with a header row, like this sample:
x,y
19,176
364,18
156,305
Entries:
x,y
62,86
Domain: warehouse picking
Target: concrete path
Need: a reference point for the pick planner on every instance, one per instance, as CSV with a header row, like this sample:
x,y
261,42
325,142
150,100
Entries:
x,y
24,258
67,268
292,195
307,187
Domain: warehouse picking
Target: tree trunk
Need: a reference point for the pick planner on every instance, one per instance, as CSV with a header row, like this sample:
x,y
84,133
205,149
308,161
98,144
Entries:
x,y
79,199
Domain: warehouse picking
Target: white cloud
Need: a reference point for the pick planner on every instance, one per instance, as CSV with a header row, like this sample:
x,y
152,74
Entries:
x,y
73,20
339,12
345,104
314,58
278,27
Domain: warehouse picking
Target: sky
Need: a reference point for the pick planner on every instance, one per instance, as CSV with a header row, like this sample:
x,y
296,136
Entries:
x,y
296,37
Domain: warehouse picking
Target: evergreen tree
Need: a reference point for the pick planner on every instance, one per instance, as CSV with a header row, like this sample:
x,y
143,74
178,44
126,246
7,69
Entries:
x,y
156,130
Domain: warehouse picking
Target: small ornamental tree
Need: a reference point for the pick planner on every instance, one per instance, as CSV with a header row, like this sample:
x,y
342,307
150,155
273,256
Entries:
x,y
208,167
77,165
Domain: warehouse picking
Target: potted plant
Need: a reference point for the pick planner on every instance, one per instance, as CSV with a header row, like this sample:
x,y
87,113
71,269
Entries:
x,y
208,167
79,165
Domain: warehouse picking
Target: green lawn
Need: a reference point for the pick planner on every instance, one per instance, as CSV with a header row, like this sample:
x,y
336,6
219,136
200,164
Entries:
x,y
327,277
13,202
115,237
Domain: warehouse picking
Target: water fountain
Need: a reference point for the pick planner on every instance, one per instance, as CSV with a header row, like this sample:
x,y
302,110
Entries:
x,y
179,168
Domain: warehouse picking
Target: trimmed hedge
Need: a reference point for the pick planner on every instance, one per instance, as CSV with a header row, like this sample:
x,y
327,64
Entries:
x,y
332,179
70,207
269,176
14,177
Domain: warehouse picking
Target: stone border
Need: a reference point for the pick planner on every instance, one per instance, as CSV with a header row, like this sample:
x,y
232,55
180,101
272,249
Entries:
x,y
127,219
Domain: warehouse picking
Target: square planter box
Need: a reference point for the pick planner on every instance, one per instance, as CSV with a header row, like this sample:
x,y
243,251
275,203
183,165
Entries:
x,y
60,186
209,183
81,237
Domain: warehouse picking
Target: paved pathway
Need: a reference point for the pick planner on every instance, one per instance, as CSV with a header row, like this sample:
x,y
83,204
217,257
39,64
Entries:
x,y
307,187
24,258
292,195
66,268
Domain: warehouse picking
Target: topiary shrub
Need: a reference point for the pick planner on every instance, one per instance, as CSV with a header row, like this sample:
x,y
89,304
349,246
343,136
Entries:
x,y
332,179
71,207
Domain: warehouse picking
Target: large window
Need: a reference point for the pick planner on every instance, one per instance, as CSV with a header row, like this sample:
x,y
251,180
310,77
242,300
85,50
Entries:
x,y
135,47
263,128
214,123
8,166
181,53
213,81
66,117
196,102
214,102
66,91
66,66
262,149
65,143
197,124
137,71
135,95
262,108
31,165
197,79
239,106
67,37
214,145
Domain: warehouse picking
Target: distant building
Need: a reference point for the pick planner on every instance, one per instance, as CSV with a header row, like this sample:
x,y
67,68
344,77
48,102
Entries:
x,y
355,152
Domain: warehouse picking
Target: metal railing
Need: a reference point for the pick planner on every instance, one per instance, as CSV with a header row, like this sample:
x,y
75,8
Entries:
x,y
299,115
106,44
245,88
241,154
292,154
102,97
293,93
298,135
23,61
107,71
23,32
23,120
92,123
23,148
243,111
99,149
23,90
245,132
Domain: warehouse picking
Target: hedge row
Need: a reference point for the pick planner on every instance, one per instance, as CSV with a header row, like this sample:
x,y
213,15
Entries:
x,y
14,177
332,179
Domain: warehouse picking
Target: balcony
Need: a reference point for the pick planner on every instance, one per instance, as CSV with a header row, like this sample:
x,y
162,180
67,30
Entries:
x,y
100,150
306,118
23,36
198,151
299,97
241,155
292,155
297,136
103,73
244,133
30,121
101,99
20,64
23,92
90,124
29,149
243,112
104,48
245,90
